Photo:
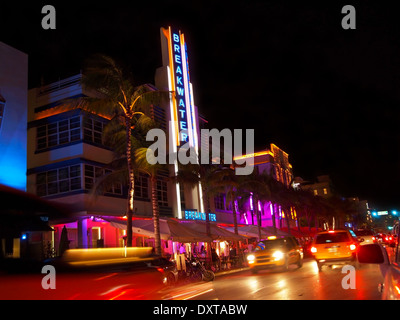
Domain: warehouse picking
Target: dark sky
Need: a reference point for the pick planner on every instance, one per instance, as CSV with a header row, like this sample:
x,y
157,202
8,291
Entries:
x,y
327,96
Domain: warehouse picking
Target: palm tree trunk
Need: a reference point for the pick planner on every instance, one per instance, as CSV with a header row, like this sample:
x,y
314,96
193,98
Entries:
x,y
156,215
235,223
207,211
131,188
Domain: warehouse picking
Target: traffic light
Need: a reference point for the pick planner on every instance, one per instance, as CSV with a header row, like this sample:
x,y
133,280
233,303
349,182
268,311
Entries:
x,y
394,212
374,213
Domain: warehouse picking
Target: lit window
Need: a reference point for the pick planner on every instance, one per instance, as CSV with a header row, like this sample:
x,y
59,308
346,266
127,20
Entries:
x,y
325,191
315,192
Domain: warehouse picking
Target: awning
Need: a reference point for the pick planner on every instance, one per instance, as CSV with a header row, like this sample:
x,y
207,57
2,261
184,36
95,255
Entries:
x,y
250,231
170,229
217,233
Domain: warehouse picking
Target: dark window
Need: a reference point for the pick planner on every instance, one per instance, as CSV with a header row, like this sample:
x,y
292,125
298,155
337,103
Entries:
x,y
57,133
333,237
58,181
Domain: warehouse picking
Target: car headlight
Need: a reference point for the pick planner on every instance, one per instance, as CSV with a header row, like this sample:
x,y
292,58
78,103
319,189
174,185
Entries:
x,y
278,255
251,257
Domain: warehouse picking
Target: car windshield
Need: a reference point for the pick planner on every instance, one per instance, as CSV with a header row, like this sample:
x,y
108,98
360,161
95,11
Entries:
x,y
270,244
360,233
332,237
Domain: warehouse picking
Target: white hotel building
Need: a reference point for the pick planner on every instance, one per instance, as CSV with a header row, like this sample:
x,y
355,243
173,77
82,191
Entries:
x,y
65,156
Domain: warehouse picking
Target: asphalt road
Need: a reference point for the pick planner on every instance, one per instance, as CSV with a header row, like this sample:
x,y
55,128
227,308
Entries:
x,y
306,283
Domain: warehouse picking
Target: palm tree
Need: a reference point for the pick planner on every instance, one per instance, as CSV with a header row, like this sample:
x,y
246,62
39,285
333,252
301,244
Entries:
x,y
117,98
257,187
207,175
151,170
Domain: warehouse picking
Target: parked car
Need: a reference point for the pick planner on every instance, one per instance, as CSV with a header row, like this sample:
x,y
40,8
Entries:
x,y
166,267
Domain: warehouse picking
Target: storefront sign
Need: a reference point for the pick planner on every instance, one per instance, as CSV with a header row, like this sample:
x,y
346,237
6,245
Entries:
x,y
194,215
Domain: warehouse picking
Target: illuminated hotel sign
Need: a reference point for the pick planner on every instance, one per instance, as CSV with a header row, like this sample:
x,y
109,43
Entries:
x,y
179,86
183,123
194,215
182,109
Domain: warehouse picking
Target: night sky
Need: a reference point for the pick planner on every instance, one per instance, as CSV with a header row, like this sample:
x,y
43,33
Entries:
x,y
327,96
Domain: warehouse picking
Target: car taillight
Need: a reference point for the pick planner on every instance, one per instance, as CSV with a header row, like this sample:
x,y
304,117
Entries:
x,y
373,238
313,249
160,270
353,247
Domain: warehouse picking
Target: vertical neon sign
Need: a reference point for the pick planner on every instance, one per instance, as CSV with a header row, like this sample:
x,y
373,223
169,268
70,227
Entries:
x,y
183,125
178,65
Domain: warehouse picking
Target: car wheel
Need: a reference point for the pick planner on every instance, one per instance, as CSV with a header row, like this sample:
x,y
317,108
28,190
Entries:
x,y
300,263
208,275
171,279
285,266
319,266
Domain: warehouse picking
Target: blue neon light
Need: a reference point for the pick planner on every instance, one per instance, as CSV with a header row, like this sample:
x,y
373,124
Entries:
x,y
179,86
194,215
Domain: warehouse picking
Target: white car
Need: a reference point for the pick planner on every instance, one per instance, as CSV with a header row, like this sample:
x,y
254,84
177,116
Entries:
x,y
365,236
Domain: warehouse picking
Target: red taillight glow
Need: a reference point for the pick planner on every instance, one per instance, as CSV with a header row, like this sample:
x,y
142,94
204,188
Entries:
x,y
313,249
331,231
373,238
160,270
353,247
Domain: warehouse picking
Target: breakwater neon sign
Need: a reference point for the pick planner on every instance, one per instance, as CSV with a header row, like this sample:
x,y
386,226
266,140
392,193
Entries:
x,y
180,84
194,215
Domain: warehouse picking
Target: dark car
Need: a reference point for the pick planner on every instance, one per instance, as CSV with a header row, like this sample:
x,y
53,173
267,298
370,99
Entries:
x,y
166,267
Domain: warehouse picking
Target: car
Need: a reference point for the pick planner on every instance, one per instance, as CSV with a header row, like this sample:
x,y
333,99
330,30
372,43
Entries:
x,y
335,247
276,252
389,262
388,240
380,237
389,266
365,236
166,267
